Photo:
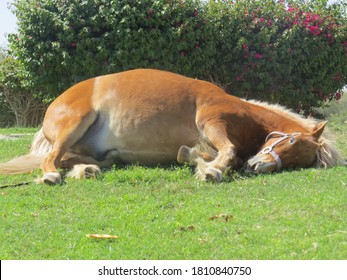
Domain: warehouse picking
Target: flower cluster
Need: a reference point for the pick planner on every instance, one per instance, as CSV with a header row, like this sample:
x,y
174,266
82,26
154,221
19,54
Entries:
x,y
287,53
312,22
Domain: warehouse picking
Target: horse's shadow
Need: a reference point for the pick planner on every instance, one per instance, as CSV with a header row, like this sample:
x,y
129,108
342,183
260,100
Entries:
x,y
229,176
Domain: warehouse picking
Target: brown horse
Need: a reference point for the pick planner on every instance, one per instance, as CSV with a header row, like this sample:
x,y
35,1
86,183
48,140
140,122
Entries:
x,y
153,117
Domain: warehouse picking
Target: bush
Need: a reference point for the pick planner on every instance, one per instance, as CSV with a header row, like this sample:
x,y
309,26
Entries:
x,y
7,117
18,105
290,53
63,42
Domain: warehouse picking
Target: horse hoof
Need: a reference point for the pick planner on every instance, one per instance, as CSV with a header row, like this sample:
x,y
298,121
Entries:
x,y
213,175
52,178
84,171
92,171
183,155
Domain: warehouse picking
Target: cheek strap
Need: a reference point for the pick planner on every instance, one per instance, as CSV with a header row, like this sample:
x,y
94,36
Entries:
x,y
269,149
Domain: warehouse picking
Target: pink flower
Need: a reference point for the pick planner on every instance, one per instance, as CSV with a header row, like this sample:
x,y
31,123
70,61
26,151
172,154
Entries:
x,y
245,47
309,17
314,30
315,17
258,56
306,24
238,78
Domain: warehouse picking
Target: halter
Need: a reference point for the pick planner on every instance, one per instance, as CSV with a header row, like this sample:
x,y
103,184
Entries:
x,y
269,149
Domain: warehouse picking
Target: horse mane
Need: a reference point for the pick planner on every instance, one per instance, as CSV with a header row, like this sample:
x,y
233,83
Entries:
x,y
288,113
327,154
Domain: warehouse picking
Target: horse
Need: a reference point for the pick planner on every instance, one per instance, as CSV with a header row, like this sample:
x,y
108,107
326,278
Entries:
x,y
155,117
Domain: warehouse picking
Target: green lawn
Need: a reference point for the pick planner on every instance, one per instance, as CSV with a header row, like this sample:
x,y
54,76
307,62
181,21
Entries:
x,y
167,214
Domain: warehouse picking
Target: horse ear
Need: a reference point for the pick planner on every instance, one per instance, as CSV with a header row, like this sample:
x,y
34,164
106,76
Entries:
x,y
318,129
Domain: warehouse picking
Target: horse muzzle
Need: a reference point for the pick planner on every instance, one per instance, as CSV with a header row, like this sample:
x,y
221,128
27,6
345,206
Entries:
x,y
267,160
261,163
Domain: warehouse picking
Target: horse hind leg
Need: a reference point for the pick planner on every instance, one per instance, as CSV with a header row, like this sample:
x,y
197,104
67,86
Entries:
x,y
68,131
84,171
85,167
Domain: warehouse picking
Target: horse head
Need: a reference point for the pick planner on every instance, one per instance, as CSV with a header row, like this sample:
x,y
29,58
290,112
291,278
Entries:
x,y
286,150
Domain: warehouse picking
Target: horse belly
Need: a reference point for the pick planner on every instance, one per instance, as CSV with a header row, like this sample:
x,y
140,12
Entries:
x,y
154,142
147,117
151,141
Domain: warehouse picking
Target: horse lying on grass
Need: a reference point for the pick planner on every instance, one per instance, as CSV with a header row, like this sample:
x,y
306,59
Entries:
x,y
154,117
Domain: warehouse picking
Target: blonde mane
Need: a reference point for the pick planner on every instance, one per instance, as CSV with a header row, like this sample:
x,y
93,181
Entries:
x,y
327,154
281,110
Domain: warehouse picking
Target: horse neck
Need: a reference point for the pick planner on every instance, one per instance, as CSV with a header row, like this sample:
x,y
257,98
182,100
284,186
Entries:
x,y
271,118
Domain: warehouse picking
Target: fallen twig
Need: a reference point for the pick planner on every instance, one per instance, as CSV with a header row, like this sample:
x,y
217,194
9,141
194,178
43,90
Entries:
x,y
15,185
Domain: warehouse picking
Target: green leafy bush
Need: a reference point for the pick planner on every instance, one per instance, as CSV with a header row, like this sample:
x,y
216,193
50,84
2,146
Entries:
x,y
19,105
7,117
290,52
63,42
281,51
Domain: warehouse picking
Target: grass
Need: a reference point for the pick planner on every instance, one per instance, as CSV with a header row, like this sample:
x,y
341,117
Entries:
x,y
166,214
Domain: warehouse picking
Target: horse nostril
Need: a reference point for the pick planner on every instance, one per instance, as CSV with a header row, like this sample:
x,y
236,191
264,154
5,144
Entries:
x,y
253,165
256,166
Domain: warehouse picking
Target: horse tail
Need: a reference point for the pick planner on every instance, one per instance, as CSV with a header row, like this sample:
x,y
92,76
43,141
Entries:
x,y
40,147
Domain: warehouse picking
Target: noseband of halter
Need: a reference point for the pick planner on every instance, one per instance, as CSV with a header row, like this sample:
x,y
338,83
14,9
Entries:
x,y
269,149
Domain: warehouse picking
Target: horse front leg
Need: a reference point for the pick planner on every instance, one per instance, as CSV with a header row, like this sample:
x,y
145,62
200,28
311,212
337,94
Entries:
x,y
216,134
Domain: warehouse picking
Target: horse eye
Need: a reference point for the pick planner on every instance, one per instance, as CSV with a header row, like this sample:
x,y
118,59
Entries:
x,y
292,140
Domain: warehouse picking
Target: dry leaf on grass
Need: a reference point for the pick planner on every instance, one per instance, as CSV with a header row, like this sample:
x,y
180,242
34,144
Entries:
x,y
190,228
102,236
222,217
